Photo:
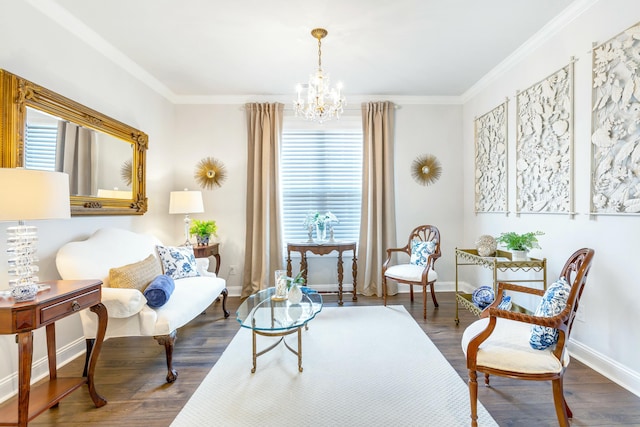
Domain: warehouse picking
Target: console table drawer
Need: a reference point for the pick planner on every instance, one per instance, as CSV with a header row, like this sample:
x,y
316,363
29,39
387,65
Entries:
x,y
63,308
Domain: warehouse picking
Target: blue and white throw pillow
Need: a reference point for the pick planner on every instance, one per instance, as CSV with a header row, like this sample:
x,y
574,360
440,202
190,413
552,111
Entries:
x,y
553,302
420,251
178,261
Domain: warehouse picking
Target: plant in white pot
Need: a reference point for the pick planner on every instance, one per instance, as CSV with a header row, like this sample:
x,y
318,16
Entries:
x,y
519,244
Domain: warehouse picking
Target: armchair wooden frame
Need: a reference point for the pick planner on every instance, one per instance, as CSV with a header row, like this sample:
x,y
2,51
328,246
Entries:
x,y
575,271
423,233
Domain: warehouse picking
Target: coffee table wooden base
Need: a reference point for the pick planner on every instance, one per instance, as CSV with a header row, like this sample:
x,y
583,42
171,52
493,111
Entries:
x,y
271,347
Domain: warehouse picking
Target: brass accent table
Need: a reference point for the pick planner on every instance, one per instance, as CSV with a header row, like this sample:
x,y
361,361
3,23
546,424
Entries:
x,y
278,318
207,251
500,262
324,248
61,299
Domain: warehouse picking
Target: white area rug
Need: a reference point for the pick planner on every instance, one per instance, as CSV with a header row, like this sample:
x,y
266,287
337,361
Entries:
x,y
363,366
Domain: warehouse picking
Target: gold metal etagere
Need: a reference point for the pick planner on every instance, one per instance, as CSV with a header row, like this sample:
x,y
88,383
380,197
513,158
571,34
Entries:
x,y
500,262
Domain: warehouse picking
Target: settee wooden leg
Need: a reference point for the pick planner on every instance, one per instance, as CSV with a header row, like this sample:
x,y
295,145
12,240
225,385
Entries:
x,y
168,341
225,294
89,342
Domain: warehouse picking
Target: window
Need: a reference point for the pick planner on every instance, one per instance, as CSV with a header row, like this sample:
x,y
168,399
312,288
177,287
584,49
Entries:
x,y
40,146
321,170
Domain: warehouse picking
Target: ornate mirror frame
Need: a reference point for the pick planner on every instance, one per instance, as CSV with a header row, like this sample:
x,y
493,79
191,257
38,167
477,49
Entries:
x,y
16,94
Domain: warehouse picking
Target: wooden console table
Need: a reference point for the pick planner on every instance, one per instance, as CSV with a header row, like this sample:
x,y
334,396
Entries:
x,y
63,298
207,251
324,249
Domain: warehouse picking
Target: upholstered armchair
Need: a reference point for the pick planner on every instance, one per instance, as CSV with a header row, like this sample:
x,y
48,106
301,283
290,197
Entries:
x,y
528,347
413,263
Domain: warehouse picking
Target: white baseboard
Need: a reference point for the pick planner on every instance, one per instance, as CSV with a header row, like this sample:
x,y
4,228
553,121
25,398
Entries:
x,y
40,368
604,365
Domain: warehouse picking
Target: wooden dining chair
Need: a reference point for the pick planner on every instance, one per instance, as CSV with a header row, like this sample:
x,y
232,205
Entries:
x,y
528,347
413,263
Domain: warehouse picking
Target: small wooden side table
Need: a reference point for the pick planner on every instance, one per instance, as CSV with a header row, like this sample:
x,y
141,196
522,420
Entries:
x,y
324,248
207,251
63,298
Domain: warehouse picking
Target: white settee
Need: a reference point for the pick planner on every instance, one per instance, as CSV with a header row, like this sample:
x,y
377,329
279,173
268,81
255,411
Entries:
x,y
129,314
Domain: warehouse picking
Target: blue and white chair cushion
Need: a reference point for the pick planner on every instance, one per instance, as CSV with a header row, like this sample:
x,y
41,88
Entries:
x,y
553,302
420,251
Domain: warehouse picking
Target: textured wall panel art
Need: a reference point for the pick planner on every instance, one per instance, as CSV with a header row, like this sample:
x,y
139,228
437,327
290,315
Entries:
x,y
544,145
615,137
491,160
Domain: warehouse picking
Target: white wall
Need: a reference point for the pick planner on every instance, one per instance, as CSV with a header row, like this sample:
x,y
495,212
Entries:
x,y
608,337
37,49
219,131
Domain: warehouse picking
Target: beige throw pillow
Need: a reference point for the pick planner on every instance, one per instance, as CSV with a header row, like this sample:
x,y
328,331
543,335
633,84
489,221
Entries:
x,y
137,275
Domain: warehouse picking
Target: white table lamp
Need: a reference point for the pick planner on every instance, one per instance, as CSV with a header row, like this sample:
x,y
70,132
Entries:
x,y
28,194
186,202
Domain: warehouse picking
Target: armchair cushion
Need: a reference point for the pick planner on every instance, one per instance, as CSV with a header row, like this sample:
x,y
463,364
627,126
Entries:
x,y
410,272
136,275
420,251
552,303
507,348
178,261
159,291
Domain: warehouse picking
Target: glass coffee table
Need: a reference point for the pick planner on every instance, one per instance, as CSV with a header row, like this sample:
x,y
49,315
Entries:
x,y
271,317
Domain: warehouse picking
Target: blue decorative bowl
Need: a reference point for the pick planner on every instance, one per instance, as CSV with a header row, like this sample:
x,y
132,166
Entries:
x,y
483,296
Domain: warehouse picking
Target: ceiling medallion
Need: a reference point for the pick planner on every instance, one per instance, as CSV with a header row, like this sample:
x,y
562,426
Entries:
x,y
322,102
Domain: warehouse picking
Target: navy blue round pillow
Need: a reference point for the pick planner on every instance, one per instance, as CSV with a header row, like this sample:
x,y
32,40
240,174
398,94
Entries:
x,y
159,291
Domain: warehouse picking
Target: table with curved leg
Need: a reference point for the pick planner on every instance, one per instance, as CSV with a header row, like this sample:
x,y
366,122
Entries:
x,y
57,300
324,248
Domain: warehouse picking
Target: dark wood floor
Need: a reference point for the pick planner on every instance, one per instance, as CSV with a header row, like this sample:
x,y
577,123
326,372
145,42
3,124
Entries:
x,y
131,376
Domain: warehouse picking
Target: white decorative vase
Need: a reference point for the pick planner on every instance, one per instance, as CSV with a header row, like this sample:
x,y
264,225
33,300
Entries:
x,y
295,294
519,255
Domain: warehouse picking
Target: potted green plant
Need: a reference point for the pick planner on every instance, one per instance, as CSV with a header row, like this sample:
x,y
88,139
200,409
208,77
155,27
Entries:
x,y
519,244
203,229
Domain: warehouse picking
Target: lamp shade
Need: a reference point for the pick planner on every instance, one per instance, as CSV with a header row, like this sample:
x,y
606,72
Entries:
x,y
185,202
28,194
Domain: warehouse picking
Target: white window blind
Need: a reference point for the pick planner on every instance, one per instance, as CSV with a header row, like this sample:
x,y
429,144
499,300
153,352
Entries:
x,y
321,170
40,146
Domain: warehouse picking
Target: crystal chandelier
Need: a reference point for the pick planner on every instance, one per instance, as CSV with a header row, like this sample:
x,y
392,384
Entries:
x,y
323,102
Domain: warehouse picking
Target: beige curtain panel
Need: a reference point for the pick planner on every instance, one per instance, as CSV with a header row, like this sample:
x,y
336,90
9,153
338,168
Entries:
x,y
76,155
378,218
263,245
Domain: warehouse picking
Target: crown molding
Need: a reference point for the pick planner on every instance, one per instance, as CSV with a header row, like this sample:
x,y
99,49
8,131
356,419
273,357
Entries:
x,y
552,28
287,99
66,20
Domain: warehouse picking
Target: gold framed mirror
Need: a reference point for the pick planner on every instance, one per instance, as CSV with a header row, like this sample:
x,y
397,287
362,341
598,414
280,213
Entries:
x,y
40,129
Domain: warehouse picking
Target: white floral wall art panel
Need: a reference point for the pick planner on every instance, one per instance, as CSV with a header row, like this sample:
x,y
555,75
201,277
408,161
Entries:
x,y
491,160
544,145
615,137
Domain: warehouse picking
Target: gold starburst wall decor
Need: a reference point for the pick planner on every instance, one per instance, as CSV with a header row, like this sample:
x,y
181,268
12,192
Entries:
x,y
426,169
126,172
210,172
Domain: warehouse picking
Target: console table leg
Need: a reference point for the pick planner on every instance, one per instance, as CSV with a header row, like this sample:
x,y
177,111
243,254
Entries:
x,y
25,357
340,277
354,270
101,311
